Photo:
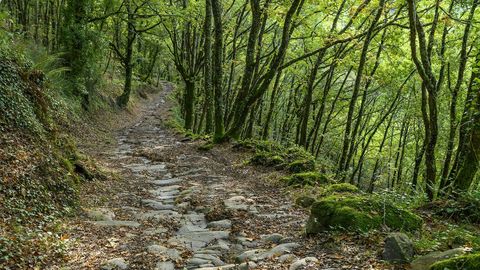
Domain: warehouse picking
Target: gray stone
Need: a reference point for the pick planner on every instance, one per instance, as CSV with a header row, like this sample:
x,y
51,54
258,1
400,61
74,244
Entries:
x,y
222,224
157,214
158,205
197,262
250,255
225,267
247,266
287,258
115,264
398,248
197,240
209,257
279,250
167,182
165,266
300,264
161,250
237,203
116,223
424,262
275,238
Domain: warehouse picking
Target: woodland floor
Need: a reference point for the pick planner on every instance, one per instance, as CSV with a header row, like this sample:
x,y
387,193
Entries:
x,y
173,206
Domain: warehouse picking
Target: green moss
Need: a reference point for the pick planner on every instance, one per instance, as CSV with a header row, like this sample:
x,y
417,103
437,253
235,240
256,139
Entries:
x,y
302,165
304,201
341,188
266,159
359,213
467,262
307,178
67,164
206,147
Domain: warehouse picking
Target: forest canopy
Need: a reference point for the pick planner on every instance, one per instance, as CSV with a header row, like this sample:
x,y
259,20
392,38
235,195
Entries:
x,y
384,93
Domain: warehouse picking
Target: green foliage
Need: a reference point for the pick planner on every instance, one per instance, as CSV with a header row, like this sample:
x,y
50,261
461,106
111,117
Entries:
x,y
443,235
32,247
466,262
359,213
465,208
18,99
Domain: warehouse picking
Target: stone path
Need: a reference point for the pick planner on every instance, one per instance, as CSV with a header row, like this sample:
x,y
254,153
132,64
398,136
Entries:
x,y
181,209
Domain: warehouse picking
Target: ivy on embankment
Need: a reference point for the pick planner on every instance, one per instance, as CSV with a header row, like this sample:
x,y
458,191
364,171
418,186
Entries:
x,y
40,168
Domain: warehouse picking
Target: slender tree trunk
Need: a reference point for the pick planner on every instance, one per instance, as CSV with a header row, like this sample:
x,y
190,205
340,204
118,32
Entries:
x,y
218,69
342,166
131,35
208,67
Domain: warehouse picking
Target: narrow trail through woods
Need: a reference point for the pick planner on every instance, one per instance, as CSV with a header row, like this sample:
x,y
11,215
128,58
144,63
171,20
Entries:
x,y
176,207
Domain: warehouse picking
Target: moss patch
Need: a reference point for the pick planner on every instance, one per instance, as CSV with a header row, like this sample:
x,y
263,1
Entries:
x,y
341,188
304,201
302,165
307,178
359,213
467,262
272,154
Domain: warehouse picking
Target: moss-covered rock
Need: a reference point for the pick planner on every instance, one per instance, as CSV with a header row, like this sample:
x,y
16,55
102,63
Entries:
x,y
466,262
358,213
301,165
266,159
341,188
307,178
304,201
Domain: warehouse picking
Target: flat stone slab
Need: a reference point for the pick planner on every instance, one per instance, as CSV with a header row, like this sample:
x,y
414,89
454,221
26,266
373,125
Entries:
x,y
157,214
136,168
116,223
158,205
222,224
164,251
261,254
197,240
167,182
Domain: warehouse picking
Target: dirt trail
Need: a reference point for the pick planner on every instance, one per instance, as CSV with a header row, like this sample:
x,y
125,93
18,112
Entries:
x,y
176,207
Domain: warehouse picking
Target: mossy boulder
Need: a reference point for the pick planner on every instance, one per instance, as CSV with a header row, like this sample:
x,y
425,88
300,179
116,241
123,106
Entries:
x,y
307,178
301,165
466,262
304,201
267,159
341,188
359,213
